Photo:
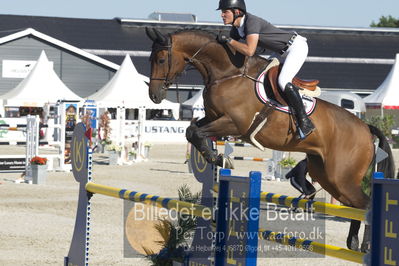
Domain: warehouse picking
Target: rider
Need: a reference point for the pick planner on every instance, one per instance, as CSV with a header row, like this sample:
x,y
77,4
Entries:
x,y
250,32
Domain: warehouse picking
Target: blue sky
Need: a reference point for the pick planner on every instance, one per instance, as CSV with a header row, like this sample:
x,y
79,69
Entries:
x,y
345,13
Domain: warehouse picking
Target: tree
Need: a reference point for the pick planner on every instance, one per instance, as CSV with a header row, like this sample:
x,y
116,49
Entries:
x,y
386,22
385,124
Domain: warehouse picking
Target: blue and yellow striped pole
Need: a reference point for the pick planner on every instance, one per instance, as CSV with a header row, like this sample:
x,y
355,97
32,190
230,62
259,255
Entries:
x,y
319,207
148,199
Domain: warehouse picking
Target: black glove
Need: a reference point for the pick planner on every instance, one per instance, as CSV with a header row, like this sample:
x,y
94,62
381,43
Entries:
x,y
222,39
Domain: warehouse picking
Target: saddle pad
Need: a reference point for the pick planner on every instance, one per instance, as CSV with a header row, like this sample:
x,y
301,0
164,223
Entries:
x,y
308,102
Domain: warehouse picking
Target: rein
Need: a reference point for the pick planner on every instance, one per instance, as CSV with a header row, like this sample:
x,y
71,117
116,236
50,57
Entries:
x,y
243,74
191,59
167,81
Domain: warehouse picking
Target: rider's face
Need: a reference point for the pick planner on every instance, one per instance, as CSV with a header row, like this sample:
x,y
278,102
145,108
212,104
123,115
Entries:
x,y
227,16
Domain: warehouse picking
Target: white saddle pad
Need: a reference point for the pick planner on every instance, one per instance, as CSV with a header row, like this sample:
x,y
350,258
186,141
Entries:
x,y
308,102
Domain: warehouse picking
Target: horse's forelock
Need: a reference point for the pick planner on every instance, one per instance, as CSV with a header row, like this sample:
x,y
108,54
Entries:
x,y
156,47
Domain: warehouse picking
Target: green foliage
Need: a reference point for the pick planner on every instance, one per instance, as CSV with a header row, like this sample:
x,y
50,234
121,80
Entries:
x,y
384,124
287,162
366,182
386,22
175,235
3,131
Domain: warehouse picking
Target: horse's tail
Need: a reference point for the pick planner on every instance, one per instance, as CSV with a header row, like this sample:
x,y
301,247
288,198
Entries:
x,y
387,166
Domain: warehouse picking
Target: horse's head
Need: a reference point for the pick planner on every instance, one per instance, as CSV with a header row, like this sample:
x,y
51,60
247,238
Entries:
x,y
166,64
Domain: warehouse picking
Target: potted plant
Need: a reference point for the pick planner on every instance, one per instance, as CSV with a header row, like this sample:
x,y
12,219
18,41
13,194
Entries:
x,y
147,147
286,165
132,155
175,240
102,144
113,153
39,169
104,130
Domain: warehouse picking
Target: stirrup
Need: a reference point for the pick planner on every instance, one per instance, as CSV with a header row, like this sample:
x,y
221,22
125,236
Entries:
x,y
302,136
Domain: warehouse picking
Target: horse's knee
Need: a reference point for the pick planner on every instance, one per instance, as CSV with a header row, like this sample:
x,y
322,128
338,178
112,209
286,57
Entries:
x,y
198,139
194,134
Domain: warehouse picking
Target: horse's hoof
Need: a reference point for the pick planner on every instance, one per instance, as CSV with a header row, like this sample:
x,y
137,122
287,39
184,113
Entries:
x,y
353,243
365,247
228,163
224,161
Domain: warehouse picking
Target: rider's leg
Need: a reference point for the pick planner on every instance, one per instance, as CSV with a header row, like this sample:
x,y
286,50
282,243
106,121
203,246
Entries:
x,y
295,101
295,57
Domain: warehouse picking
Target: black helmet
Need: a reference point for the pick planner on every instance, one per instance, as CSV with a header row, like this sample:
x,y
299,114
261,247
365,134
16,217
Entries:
x,y
232,4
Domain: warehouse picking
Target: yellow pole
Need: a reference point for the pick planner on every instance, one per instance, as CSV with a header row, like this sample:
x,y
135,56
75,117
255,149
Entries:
x,y
311,246
320,207
179,206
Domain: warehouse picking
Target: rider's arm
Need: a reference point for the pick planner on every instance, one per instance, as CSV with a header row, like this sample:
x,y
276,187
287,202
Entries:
x,y
247,48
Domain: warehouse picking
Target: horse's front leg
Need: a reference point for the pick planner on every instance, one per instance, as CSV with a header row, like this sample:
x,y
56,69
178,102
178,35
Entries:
x,y
198,131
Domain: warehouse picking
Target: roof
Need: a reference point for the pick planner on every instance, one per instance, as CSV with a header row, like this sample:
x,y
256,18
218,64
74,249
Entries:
x,y
341,58
39,35
127,88
387,94
41,86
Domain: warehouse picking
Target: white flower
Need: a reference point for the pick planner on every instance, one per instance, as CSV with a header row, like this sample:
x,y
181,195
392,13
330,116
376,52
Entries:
x,y
113,147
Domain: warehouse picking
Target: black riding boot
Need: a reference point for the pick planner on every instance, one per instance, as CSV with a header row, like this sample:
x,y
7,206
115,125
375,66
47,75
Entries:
x,y
295,102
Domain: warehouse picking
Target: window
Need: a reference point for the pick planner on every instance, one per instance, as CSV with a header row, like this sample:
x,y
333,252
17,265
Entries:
x,y
347,104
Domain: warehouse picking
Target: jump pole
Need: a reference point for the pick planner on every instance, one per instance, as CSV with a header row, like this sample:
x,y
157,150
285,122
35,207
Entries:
x,y
317,206
232,190
385,194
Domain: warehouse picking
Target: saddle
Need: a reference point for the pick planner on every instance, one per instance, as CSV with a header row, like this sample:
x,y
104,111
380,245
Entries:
x,y
273,91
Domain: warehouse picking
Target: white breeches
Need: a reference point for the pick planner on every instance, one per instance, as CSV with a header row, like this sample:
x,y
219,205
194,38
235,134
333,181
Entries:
x,y
295,56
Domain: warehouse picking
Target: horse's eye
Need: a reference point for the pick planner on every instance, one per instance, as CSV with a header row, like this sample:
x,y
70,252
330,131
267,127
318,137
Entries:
x,y
161,61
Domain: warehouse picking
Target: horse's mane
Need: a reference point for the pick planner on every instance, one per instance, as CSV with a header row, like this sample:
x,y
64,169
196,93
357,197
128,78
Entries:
x,y
202,32
211,36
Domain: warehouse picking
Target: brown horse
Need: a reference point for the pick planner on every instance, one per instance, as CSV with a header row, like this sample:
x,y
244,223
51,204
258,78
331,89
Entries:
x,y
339,152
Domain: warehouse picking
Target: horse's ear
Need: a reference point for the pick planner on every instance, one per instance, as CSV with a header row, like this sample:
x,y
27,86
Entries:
x,y
151,34
160,37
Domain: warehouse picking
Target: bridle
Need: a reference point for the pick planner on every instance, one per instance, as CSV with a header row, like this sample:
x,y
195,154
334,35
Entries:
x,y
167,81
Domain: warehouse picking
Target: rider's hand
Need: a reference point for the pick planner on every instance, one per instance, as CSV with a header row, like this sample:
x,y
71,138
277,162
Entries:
x,y
222,39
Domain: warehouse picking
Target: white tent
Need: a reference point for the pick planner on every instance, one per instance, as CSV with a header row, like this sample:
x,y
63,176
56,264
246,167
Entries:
x,y
196,104
128,89
386,96
41,86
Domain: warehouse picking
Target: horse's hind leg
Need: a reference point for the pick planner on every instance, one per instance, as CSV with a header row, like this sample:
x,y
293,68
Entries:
x,y
352,241
366,243
350,193
337,184
198,131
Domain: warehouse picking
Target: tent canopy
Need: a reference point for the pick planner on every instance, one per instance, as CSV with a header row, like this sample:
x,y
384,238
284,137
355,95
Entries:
x,y
196,104
196,101
128,88
41,86
386,96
